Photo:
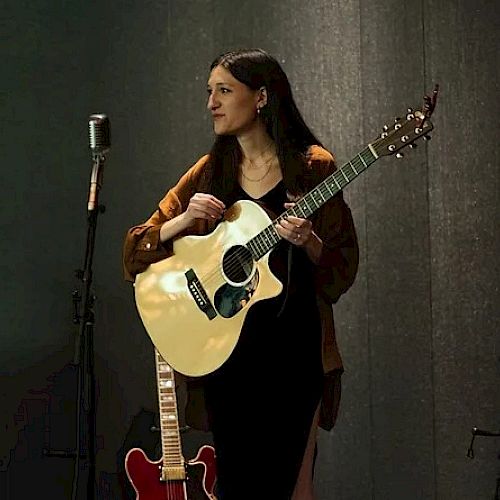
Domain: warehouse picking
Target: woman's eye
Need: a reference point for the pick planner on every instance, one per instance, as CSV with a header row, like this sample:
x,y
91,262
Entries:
x,y
224,90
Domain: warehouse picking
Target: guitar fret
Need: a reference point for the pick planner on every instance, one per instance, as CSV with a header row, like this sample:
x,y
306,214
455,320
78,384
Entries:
x,y
312,199
330,189
324,189
335,180
351,174
258,242
308,207
273,235
299,207
268,235
251,247
360,166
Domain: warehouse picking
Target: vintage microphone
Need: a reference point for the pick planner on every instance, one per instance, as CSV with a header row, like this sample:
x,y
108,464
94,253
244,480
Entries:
x,y
100,142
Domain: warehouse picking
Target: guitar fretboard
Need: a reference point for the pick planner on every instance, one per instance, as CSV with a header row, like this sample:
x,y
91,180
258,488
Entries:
x,y
263,242
169,425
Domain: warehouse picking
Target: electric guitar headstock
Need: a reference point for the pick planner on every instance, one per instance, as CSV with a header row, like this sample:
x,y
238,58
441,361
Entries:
x,y
406,131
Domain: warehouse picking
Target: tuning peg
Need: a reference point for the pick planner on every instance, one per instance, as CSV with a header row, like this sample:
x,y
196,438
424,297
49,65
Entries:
x,y
413,145
399,155
397,119
409,110
386,128
427,137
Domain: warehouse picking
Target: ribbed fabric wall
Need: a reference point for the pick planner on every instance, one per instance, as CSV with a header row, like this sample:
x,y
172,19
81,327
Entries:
x,y
418,330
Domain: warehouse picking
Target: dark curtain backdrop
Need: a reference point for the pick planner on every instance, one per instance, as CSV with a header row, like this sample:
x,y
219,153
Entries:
x,y
419,329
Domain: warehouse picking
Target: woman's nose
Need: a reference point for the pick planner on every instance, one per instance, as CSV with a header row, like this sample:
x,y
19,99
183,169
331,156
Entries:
x,y
212,102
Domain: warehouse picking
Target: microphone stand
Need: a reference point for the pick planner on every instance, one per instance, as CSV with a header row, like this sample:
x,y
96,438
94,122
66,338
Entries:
x,y
99,135
470,452
84,348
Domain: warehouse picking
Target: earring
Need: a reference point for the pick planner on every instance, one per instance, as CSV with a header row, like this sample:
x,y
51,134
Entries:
x,y
258,111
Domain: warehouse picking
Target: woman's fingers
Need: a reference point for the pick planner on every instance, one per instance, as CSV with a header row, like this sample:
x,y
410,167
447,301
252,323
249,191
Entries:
x,y
295,230
205,206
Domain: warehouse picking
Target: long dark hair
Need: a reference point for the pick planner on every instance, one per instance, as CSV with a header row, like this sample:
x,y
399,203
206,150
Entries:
x,y
284,123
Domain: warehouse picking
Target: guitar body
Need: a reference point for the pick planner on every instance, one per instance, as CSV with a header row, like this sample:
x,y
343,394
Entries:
x,y
194,303
145,477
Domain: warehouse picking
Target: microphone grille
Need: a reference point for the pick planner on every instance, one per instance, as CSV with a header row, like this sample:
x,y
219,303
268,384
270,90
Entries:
x,y
99,133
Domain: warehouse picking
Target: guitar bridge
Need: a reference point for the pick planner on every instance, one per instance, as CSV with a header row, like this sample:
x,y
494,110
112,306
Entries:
x,y
199,295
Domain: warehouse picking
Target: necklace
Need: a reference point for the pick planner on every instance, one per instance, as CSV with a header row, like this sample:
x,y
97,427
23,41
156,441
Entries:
x,y
263,176
269,162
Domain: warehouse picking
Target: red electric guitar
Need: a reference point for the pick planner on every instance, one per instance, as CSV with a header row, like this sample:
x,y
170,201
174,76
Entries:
x,y
171,477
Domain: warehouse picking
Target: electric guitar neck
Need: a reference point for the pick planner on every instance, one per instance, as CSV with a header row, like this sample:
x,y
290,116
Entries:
x,y
171,477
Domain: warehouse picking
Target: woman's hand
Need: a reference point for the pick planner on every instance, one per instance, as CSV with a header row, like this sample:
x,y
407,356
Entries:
x,y
299,232
203,206
294,229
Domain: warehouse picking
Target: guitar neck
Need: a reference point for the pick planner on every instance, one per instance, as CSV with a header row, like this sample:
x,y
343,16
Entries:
x,y
173,460
268,238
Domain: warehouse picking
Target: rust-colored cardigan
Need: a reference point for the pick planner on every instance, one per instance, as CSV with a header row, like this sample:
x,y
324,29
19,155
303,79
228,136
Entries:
x,y
335,271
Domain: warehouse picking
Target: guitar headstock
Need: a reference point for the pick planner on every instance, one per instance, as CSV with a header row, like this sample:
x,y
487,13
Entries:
x,y
406,131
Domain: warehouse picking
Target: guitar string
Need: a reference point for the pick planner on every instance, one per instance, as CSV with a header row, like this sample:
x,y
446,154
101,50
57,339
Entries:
x,y
172,489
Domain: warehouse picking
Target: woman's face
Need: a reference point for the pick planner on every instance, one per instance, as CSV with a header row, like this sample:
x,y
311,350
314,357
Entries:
x,y
232,104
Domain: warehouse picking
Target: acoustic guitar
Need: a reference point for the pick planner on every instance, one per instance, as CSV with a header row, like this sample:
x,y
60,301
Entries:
x,y
193,304
171,477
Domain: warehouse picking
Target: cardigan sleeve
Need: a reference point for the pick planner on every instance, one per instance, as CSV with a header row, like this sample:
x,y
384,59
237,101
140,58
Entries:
x,y
142,245
334,224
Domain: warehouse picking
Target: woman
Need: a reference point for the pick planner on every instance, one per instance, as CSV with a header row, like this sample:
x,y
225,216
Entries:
x,y
283,378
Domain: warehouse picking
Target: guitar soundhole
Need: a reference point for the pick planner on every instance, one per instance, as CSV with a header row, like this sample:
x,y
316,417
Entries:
x,y
237,265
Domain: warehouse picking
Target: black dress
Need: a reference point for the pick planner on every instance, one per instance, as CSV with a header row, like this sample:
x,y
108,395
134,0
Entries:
x,y
262,400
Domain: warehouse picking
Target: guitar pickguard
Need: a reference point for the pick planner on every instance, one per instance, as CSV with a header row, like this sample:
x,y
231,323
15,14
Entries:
x,y
229,300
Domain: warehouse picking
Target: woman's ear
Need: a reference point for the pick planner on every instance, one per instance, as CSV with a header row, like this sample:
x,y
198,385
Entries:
x,y
262,97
